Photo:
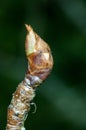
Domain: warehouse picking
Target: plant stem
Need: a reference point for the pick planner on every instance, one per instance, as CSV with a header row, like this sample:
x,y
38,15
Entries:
x,y
40,63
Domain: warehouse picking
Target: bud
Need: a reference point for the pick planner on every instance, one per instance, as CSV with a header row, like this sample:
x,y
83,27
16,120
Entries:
x,y
40,61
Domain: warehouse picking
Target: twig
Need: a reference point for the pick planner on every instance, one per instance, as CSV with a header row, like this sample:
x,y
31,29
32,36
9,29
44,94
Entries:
x,y
40,63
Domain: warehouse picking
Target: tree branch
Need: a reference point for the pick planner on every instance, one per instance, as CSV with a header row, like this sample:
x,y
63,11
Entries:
x,y
40,63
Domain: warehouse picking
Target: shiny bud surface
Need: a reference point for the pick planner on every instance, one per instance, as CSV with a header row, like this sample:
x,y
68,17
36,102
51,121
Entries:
x,y
39,55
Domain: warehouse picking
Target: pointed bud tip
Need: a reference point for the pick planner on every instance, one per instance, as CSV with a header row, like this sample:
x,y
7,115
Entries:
x,y
28,27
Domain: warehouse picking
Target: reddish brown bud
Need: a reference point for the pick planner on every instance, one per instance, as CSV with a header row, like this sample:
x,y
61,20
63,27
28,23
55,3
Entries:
x,y
39,55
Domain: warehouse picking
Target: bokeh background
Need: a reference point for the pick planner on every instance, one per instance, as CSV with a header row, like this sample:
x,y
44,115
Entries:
x,y
61,99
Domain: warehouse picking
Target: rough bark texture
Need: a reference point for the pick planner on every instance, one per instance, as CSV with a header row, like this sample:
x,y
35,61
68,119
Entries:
x,y
20,105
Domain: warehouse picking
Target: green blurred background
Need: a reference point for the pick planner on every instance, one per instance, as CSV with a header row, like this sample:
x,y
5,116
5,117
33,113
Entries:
x,y
61,99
